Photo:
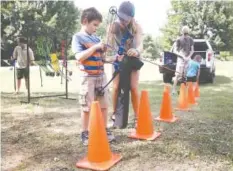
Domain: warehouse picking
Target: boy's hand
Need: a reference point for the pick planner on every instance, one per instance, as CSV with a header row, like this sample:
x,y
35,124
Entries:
x,y
100,46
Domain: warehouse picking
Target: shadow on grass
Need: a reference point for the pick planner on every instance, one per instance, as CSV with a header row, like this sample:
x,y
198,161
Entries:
x,y
220,79
43,98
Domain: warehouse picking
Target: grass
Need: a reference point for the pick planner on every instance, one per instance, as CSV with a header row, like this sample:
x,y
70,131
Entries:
x,y
46,136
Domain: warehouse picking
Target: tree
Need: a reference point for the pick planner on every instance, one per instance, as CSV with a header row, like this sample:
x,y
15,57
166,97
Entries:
x,y
53,20
151,47
212,20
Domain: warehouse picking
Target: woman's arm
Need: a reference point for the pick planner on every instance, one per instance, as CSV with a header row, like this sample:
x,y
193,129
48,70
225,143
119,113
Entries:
x,y
110,57
139,38
136,52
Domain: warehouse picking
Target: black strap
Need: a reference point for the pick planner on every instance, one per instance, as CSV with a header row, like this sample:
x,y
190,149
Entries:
x,y
114,75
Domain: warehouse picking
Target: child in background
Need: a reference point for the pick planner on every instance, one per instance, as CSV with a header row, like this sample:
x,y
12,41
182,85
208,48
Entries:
x,y
193,70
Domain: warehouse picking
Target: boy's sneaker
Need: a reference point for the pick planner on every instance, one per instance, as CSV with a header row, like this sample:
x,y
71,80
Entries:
x,y
84,137
113,117
110,136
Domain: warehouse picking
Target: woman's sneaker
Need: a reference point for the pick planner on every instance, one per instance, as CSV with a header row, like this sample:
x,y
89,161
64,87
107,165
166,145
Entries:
x,y
112,121
113,117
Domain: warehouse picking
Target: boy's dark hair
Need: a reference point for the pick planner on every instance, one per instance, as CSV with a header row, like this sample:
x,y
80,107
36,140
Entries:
x,y
91,14
22,40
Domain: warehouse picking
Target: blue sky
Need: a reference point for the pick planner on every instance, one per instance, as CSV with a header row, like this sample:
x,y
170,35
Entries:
x,y
151,14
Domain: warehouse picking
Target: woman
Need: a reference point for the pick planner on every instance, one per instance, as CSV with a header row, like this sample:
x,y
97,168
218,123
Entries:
x,y
133,47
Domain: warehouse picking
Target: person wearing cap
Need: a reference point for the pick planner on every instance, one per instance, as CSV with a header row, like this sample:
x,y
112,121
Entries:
x,y
133,47
184,46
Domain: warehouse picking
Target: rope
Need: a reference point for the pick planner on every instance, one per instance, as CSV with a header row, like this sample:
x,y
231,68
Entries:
x,y
143,59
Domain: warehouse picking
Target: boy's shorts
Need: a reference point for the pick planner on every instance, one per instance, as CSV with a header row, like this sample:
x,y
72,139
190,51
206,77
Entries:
x,y
192,79
22,72
88,94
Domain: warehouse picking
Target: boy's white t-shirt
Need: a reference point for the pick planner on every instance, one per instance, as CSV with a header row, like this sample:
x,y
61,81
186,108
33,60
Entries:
x,y
20,55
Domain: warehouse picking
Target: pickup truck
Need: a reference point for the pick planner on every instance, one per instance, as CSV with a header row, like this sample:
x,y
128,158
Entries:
x,y
202,47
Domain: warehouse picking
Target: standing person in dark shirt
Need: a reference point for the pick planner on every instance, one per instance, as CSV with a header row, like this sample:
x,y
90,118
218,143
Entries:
x,y
185,48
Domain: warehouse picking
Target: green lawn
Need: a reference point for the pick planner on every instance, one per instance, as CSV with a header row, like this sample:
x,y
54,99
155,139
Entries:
x,y
46,136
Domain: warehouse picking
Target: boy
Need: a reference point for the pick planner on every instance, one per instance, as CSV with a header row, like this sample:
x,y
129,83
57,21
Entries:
x,y
193,70
89,51
20,55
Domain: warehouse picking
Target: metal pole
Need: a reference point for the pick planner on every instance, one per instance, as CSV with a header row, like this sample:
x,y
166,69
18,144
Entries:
x,y
28,67
41,81
66,67
62,73
62,55
14,75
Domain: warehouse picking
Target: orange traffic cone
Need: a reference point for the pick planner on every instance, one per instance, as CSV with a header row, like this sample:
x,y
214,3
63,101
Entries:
x,y
166,108
144,128
191,98
99,156
182,100
197,91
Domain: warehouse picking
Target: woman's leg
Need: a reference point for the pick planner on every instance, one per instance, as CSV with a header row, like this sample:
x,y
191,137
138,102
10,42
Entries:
x,y
134,91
